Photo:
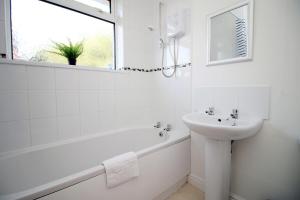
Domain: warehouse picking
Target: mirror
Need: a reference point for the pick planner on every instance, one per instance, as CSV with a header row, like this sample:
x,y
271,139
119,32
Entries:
x,y
230,34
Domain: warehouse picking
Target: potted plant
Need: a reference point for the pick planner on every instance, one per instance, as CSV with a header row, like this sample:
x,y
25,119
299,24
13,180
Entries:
x,y
69,50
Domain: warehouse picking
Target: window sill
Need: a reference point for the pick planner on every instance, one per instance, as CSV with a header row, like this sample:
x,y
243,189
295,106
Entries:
x,y
55,65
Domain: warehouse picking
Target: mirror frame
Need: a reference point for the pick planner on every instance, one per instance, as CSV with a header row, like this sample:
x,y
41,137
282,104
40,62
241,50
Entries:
x,y
250,5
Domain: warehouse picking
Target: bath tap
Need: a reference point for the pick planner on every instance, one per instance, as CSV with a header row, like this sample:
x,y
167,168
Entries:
x,y
158,125
165,131
234,114
162,133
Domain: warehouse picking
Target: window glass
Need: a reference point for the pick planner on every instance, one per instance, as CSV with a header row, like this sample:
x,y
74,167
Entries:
x,y
103,5
37,26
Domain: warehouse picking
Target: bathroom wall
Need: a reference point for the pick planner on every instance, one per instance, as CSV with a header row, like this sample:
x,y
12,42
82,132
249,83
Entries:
x,y
173,95
267,165
139,42
42,104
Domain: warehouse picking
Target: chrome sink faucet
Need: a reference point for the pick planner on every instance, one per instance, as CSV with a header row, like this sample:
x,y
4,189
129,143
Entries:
x,y
168,128
234,114
157,125
210,111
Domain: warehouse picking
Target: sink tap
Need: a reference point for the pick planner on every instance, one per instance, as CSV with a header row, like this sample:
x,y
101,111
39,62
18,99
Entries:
x,y
210,111
234,114
157,125
168,128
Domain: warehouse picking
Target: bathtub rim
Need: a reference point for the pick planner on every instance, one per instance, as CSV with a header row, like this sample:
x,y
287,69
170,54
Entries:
x,y
73,179
17,152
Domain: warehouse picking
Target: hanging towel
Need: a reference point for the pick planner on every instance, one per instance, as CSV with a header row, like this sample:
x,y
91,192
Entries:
x,y
121,169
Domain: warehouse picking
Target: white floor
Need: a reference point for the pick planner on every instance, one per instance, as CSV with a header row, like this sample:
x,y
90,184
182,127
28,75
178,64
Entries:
x,y
187,192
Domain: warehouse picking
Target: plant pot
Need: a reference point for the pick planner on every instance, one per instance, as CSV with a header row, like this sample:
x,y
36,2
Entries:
x,y
72,61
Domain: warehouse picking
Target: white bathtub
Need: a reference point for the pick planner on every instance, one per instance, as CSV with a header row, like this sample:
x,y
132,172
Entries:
x,y
72,169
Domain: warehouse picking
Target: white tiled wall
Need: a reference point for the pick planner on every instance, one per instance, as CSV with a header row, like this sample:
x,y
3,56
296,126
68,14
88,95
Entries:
x,y
174,94
249,100
173,98
41,105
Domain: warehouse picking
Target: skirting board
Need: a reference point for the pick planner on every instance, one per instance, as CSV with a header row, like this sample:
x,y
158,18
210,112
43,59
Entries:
x,y
199,183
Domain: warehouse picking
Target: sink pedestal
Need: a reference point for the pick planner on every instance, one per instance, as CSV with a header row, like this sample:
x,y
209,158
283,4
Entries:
x,y
217,169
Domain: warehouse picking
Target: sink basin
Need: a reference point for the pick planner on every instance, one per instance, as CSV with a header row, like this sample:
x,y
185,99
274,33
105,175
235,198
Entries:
x,y
219,131
221,128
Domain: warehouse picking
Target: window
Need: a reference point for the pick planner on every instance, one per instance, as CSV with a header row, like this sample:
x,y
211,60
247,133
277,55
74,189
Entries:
x,y
102,5
38,25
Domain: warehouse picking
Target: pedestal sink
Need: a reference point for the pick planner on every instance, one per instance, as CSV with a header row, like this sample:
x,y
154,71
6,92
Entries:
x,y
219,131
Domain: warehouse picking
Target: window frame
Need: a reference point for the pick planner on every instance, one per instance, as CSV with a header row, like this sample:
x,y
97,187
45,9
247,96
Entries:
x,y
85,9
70,5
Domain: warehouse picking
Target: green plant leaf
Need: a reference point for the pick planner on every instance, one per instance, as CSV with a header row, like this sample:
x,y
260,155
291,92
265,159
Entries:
x,y
68,50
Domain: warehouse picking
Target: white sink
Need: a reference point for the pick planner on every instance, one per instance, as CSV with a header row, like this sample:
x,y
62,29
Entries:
x,y
221,128
219,131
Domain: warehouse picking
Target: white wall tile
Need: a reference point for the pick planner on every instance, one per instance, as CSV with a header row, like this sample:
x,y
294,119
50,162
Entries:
x,y
68,127
13,78
254,101
183,98
203,99
67,79
13,106
43,131
225,99
41,78
14,135
106,101
67,103
122,81
122,99
139,98
250,101
136,77
90,123
107,81
124,117
139,116
89,80
42,104
88,102
106,120
145,80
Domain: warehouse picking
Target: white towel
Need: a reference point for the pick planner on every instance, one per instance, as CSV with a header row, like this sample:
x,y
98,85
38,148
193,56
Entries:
x,y
121,169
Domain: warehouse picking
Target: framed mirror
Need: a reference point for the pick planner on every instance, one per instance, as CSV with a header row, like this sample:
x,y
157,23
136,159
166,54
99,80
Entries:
x,y
230,34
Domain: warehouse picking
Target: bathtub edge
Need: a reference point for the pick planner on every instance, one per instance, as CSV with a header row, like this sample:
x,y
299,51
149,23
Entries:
x,y
68,181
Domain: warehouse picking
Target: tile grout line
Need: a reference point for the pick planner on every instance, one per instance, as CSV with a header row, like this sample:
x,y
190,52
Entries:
x,y
99,93
79,100
56,107
28,105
